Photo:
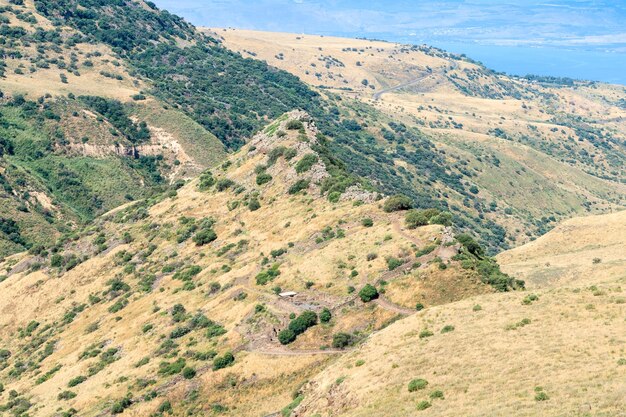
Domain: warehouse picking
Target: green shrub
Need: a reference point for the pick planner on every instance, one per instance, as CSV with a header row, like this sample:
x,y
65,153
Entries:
x,y
437,394
425,251
470,244
66,395
204,237
393,263
306,162
415,219
447,328
423,405
368,293
287,411
186,274
224,184
325,315
342,340
367,222
425,333
290,153
419,306
267,275
189,372
334,196
417,384
397,203
165,407
221,362
263,178
274,154
477,307
301,323
254,204
297,326
286,336
179,332
541,396
215,330
294,125
172,368
529,299
298,186
119,305
76,381
120,405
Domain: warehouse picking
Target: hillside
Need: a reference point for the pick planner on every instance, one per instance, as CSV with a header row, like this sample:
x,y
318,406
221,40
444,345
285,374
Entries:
x,y
584,250
120,310
562,354
537,149
224,222
193,97
568,331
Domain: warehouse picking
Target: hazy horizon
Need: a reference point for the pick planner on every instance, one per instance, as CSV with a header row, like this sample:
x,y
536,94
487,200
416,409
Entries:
x,y
580,39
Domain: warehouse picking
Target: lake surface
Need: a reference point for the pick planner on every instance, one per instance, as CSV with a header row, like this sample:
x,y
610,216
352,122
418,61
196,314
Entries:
x,y
598,65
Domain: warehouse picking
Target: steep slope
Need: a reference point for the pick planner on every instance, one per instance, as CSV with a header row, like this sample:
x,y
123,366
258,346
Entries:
x,y
533,150
581,251
141,310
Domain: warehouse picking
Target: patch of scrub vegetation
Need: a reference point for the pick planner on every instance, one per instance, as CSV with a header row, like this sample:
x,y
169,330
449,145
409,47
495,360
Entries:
x,y
472,256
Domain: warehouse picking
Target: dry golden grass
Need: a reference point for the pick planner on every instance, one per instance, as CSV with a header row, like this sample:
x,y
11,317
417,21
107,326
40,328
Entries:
x,y
571,349
267,372
581,251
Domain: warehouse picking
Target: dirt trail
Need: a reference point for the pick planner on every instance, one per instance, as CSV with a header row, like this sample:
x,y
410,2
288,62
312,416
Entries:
x,y
277,351
378,95
388,305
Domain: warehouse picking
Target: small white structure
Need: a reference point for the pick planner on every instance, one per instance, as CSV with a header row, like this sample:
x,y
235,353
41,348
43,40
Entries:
x,y
288,294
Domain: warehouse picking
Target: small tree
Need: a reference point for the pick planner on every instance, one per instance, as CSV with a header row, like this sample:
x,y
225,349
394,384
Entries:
x,y
368,293
286,336
342,340
397,203
204,237
254,204
325,315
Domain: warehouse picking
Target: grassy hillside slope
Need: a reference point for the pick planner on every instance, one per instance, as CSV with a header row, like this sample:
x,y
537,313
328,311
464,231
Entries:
x,y
584,250
141,310
562,354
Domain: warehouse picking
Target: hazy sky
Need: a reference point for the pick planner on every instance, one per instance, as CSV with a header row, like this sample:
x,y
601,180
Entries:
x,y
577,38
556,22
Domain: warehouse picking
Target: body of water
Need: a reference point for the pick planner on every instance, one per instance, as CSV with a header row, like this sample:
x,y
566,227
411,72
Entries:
x,y
597,65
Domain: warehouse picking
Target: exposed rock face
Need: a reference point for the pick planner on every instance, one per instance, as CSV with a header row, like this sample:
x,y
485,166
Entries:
x,y
356,193
270,139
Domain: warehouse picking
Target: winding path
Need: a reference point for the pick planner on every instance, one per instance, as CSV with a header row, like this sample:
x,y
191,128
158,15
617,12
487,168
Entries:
x,y
378,94
453,65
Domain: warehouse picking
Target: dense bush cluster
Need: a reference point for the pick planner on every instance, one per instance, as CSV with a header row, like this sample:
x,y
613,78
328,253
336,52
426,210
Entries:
x,y
297,326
